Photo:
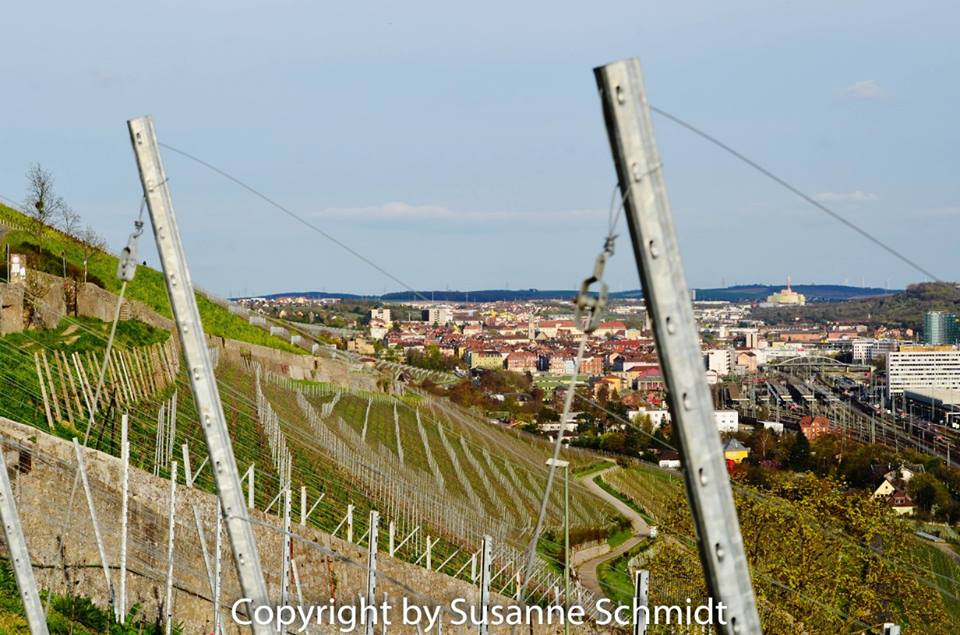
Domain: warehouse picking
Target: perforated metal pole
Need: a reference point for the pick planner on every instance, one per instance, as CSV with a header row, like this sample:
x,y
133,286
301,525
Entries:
x,y
372,565
486,560
197,356
285,556
641,588
124,513
19,556
632,142
171,526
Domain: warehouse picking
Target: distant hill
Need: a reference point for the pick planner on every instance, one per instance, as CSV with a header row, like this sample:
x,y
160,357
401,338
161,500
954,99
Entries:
x,y
312,295
739,293
813,292
902,309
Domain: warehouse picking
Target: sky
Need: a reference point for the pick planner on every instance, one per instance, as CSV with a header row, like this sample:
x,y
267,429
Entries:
x,y
461,145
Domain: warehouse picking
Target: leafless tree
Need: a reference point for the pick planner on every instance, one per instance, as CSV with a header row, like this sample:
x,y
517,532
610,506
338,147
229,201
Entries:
x,y
91,243
70,222
42,204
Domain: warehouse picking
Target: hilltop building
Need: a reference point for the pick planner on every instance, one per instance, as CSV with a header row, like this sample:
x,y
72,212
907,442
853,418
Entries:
x,y
787,297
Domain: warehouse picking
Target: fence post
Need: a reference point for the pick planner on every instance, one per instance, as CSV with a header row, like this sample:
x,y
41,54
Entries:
x,y
372,534
285,556
19,556
187,474
82,467
633,145
640,599
171,525
391,537
124,513
350,523
217,568
485,562
303,505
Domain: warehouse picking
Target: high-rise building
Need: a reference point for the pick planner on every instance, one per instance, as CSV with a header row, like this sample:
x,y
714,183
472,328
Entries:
x,y
940,327
923,368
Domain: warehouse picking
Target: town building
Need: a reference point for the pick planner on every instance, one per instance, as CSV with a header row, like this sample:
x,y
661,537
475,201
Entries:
x,y
735,451
437,315
380,314
940,327
923,368
719,360
866,349
814,427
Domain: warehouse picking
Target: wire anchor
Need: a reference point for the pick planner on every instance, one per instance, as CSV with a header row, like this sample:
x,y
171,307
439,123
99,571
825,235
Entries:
x,y
127,266
590,307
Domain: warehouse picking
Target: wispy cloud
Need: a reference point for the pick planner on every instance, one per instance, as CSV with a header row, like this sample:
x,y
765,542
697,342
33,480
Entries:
x,y
856,196
399,210
865,89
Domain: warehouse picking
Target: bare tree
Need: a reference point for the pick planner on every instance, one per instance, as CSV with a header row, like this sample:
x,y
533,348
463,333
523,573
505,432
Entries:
x,y
91,243
70,222
42,204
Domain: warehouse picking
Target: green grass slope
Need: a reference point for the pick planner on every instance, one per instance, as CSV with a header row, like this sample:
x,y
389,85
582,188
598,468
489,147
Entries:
x,y
148,286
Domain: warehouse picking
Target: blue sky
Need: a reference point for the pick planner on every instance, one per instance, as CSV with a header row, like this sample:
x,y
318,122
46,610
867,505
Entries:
x,y
461,145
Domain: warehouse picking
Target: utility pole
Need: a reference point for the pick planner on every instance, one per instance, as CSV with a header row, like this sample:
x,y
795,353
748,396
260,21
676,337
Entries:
x,y
156,190
630,130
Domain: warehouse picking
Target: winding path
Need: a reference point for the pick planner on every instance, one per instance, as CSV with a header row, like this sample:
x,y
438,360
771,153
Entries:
x,y
587,571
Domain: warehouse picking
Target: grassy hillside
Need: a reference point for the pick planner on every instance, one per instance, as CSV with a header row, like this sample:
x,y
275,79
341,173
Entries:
x,y
148,286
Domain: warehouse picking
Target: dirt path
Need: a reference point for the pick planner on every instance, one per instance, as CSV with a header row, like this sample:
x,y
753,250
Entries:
x,y
587,571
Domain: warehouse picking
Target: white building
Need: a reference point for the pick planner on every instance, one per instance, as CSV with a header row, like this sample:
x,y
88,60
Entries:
x,y
380,314
866,349
923,367
719,360
438,315
727,420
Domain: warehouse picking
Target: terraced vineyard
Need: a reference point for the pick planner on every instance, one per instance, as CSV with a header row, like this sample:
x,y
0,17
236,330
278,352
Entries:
x,y
654,490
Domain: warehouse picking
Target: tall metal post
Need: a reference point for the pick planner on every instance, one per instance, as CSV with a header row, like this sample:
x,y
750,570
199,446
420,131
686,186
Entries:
x,y
630,130
285,556
171,527
91,506
566,547
19,556
486,560
217,561
641,587
372,564
202,381
124,512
